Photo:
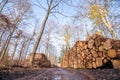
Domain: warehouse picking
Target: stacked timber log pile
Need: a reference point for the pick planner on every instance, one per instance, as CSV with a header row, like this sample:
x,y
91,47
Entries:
x,y
40,60
94,53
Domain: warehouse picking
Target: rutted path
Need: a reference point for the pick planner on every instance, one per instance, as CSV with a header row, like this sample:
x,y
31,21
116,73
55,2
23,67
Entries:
x,y
58,74
62,74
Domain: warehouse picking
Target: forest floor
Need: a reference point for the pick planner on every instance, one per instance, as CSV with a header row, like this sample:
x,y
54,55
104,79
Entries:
x,y
59,74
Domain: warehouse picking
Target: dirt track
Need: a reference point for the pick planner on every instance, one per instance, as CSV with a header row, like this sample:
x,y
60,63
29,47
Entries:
x,y
61,74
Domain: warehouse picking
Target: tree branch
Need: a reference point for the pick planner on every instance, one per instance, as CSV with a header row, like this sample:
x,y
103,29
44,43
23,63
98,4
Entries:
x,y
3,5
62,14
40,5
55,4
69,4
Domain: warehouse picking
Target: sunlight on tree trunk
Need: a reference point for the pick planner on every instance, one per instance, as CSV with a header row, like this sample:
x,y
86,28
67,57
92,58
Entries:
x,y
100,15
40,35
67,41
21,12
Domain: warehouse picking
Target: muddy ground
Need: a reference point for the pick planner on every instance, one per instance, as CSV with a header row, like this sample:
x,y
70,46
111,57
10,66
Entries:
x,y
59,74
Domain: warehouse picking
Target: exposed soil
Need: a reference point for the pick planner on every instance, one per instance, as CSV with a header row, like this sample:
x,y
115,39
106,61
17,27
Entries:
x,y
59,74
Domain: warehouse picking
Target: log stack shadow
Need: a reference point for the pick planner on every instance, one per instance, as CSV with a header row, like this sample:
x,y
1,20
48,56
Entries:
x,y
96,52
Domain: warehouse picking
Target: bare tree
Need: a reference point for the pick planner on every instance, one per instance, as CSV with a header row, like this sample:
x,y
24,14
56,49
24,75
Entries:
x,y
21,10
52,4
100,15
107,20
5,24
18,35
30,39
48,32
22,49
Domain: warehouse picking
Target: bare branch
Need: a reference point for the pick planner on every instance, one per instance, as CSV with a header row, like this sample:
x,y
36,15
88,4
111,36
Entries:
x,y
55,17
62,14
69,4
40,5
56,4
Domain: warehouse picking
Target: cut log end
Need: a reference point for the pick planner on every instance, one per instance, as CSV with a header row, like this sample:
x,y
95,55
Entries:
x,y
112,53
97,52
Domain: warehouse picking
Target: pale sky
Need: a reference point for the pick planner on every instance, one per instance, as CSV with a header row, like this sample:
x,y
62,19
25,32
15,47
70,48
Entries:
x,y
81,24
57,40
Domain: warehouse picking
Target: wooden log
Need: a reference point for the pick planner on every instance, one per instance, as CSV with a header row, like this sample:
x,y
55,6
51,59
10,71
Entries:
x,y
89,65
93,36
100,54
94,53
108,58
105,61
107,44
94,48
40,60
101,48
99,62
65,61
94,65
79,63
118,54
85,46
93,59
116,64
78,50
116,44
75,63
90,43
97,41
112,53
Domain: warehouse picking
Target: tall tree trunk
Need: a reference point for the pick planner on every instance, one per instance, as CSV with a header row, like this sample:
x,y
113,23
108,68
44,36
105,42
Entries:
x,y
16,22
1,39
20,54
47,47
12,56
1,35
6,44
10,36
40,35
109,27
27,49
39,47
2,49
49,9
46,51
